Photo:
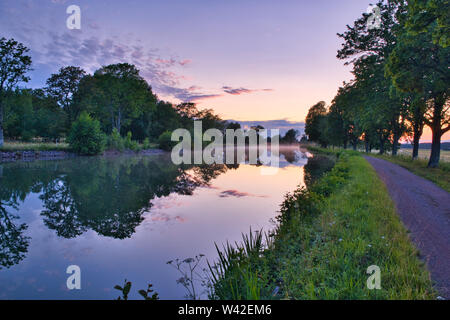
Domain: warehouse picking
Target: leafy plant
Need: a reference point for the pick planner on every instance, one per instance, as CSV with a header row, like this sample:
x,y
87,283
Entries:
x,y
86,137
129,143
125,290
148,294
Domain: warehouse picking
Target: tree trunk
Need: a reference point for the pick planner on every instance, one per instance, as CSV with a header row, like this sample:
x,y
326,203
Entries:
x,y
437,134
435,146
366,142
395,145
418,131
381,145
416,142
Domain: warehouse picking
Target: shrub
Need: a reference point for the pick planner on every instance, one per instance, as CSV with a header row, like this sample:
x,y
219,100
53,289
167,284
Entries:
x,y
115,141
165,141
146,144
130,144
85,136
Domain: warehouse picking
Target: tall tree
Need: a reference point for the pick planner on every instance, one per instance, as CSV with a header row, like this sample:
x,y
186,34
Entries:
x,y
116,94
417,65
424,14
63,85
369,48
14,64
313,121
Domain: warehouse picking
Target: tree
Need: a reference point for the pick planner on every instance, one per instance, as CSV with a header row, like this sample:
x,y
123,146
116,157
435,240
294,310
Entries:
x,y
381,111
164,117
63,85
417,65
14,64
116,94
430,13
233,126
290,137
50,120
315,115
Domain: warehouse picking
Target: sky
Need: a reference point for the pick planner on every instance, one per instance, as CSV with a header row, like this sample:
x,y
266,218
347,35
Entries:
x,y
248,60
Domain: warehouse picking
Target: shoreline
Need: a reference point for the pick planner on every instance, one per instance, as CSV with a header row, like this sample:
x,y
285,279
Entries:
x,y
16,156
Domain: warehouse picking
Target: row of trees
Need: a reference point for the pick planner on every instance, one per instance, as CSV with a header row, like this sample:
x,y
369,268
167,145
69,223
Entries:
x,y
401,80
116,99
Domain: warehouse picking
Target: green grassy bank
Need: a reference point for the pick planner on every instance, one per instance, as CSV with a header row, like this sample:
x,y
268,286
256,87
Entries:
x,y
325,240
34,146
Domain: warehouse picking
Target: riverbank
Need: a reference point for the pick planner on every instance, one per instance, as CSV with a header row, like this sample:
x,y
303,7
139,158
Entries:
x,y
31,155
326,239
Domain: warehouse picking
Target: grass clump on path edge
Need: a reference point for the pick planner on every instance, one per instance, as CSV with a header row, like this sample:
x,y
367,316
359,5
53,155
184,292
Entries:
x,y
325,240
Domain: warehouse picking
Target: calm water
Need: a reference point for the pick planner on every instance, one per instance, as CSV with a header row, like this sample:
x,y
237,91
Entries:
x,y
125,217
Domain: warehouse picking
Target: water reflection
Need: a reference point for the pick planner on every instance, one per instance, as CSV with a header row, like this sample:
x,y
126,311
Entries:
x,y
126,211
108,196
316,167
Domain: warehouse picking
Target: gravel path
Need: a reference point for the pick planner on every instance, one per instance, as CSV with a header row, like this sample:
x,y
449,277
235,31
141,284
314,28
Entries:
x,y
425,210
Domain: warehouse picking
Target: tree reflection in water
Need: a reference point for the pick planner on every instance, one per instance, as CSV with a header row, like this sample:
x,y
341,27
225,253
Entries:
x,y
106,195
316,167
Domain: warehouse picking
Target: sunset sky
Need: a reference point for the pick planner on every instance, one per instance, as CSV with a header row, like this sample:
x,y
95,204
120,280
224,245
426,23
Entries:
x,y
247,59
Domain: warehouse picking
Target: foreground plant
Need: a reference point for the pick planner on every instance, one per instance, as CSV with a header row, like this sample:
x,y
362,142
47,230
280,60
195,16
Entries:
x,y
148,294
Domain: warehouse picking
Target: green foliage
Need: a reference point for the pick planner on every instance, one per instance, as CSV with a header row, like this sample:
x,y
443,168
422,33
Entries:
x,y
115,141
315,116
290,137
165,141
129,143
237,275
430,14
34,146
326,238
146,144
116,94
14,64
62,86
85,136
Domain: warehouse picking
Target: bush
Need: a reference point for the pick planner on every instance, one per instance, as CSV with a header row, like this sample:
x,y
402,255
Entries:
x,y
130,144
146,144
165,141
85,136
115,141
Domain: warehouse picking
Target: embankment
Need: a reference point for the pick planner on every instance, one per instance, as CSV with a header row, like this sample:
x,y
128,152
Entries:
x,y
326,240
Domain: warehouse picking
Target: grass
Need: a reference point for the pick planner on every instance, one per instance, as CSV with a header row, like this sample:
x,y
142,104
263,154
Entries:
x,y
326,239
425,154
440,176
49,146
34,146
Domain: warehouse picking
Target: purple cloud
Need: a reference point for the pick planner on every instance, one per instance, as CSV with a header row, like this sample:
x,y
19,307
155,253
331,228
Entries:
x,y
239,91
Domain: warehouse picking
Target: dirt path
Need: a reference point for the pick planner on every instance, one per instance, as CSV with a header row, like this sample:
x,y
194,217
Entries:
x,y
425,210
